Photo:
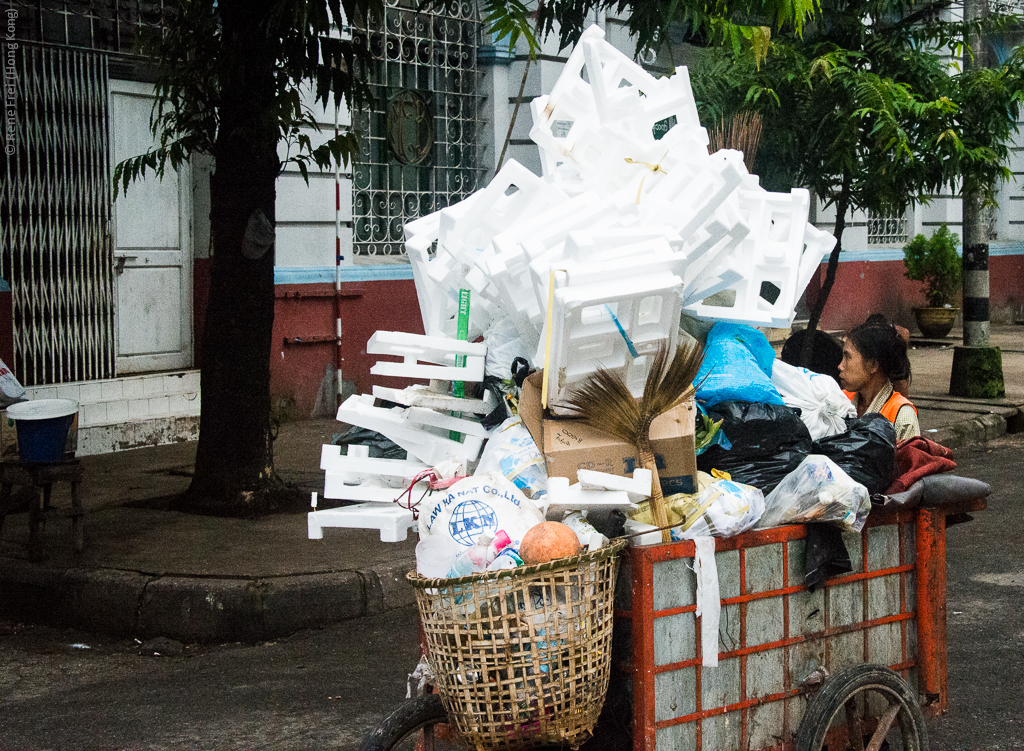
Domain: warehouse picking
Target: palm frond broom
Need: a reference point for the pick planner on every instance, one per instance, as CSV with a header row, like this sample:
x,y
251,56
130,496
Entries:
x,y
604,402
741,132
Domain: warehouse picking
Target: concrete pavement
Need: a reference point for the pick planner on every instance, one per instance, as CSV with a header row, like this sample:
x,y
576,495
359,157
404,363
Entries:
x,y
149,571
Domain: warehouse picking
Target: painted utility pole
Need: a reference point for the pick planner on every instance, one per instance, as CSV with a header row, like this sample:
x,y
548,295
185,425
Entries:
x,y
977,366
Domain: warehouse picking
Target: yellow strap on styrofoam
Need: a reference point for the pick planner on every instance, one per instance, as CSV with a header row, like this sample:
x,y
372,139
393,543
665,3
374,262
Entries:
x,y
547,340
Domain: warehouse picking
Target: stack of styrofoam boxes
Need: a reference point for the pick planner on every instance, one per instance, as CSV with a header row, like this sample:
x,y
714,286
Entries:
x,y
631,230
421,427
593,262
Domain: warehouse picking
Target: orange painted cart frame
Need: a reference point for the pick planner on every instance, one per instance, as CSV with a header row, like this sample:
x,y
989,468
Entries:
x,y
890,610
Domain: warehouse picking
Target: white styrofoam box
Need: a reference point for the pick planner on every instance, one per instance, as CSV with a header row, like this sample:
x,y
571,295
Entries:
x,y
392,521
691,193
429,445
424,396
616,82
637,487
590,324
709,284
769,257
562,497
514,195
431,349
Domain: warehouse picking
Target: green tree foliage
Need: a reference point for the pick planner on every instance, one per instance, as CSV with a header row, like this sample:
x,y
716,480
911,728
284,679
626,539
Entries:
x,y
868,109
934,261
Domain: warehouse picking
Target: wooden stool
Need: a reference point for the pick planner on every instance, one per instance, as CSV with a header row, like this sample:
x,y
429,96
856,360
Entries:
x,y
41,478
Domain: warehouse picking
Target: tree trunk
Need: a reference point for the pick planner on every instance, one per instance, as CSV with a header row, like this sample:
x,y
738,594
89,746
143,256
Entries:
x,y
842,205
234,453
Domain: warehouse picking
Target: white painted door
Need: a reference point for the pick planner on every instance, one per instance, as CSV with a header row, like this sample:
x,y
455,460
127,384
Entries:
x,y
152,240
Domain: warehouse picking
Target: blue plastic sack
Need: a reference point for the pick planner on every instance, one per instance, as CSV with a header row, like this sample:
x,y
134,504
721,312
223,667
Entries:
x,y
737,367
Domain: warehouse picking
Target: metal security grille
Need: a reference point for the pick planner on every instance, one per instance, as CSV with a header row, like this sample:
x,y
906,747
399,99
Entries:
x,y
111,25
54,215
419,136
886,229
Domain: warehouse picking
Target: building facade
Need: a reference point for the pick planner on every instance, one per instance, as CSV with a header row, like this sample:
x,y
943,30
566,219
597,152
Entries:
x,y
107,298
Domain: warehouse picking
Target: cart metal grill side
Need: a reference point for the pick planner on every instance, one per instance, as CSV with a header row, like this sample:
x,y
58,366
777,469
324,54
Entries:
x,y
889,610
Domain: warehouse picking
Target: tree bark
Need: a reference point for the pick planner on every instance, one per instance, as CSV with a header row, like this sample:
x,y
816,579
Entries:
x,y
842,205
234,453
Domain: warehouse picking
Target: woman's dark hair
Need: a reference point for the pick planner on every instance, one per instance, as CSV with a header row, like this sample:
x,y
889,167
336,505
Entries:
x,y
877,340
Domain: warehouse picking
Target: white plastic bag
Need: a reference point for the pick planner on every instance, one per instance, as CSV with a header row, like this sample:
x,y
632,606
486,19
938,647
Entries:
x,y
512,452
482,503
11,390
723,509
503,347
823,405
817,491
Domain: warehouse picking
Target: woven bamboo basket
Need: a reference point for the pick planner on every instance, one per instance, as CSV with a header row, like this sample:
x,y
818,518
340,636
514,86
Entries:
x,y
522,657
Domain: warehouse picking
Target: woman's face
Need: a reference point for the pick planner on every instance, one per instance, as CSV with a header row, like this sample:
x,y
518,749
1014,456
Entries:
x,y
854,371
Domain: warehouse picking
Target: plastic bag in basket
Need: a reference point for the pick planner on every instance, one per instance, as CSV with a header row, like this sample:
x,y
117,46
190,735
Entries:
x,y
482,503
817,491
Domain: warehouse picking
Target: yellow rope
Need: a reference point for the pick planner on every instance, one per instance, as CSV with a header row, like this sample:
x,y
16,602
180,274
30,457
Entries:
x,y
651,167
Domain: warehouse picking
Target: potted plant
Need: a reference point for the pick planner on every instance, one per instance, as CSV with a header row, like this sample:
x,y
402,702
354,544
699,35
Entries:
x,y
934,261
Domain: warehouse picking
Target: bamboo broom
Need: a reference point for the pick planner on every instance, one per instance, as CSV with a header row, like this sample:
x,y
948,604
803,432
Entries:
x,y
604,402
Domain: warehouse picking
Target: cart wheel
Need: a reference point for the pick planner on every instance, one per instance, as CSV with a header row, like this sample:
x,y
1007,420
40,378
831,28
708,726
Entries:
x,y
864,708
420,724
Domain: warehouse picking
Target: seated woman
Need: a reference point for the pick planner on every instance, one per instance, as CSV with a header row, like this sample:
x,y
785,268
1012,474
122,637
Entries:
x,y
873,356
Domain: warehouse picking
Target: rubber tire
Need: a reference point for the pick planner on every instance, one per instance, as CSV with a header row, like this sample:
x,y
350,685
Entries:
x,y
833,695
411,716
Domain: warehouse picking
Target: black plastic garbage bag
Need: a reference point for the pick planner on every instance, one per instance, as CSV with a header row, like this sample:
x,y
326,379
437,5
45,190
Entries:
x,y
380,446
768,442
866,451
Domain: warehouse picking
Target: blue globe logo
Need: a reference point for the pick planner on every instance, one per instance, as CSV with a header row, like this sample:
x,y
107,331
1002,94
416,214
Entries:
x,y
470,519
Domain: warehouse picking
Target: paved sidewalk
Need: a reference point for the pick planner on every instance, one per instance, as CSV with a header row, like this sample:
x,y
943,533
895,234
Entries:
x,y
147,571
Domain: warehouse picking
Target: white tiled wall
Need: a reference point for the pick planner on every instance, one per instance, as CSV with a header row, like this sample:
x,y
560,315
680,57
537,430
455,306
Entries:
x,y
133,398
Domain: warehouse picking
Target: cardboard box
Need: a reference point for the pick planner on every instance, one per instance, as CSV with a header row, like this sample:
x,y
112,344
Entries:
x,y
568,445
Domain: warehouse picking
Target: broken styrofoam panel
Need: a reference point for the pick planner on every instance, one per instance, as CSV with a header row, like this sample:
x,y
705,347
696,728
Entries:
x,y
369,489
358,463
393,521
429,445
715,244
616,326
817,245
562,497
637,487
425,416
423,396
439,352
710,284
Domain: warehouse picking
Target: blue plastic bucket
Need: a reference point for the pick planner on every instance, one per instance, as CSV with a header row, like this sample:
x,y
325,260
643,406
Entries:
x,y
42,427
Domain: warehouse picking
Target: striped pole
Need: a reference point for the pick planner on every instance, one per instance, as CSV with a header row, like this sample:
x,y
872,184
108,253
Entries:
x,y
338,258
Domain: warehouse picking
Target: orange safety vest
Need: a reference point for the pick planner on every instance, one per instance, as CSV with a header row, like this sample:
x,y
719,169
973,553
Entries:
x,y
892,407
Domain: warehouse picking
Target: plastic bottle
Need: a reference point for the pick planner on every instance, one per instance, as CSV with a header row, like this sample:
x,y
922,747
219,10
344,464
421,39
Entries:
x,y
586,533
507,558
476,557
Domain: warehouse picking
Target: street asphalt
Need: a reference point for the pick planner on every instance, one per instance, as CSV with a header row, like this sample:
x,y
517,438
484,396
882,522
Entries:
x,y
147,571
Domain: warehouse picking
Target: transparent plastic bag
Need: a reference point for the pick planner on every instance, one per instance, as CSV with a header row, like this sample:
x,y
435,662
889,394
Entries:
x,y
512,452
817,491
723,509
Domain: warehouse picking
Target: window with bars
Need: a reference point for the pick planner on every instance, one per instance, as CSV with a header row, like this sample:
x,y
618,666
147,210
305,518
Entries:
x,y
418,152
887,229
108,25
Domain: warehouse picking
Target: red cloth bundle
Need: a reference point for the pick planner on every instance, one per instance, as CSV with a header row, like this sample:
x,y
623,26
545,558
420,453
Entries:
x,y
918,457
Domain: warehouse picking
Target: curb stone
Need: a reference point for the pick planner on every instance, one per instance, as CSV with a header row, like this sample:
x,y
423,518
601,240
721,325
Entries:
x,y
197,609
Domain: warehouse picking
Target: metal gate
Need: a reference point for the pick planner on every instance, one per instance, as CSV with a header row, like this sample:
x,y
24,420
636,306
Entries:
x,y
418,152
54,216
